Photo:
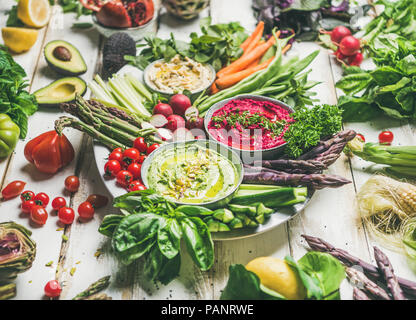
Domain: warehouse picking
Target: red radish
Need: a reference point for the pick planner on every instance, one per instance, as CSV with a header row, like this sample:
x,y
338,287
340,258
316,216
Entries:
x,y
180,103
158,120
339,33
349,45
182,134
195,123
356,59
163,108
361,137
164,134
339,55
175,122
191,112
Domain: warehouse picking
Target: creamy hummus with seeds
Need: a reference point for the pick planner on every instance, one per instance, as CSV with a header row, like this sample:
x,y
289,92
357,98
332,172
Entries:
x,y
179,74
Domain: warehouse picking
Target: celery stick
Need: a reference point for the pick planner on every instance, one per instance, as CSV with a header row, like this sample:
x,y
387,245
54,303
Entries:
x,y
139,86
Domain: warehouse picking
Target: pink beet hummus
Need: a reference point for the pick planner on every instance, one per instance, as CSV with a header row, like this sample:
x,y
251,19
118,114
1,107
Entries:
x,y
249,124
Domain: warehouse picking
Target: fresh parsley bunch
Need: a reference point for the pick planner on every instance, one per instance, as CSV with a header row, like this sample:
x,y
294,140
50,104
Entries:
x,y
15,100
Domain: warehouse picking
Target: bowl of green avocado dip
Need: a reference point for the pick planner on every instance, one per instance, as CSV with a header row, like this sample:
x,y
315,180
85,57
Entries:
x,y
199,172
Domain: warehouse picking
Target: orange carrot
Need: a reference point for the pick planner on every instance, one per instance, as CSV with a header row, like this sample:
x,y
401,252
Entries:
x,y
246,42
244,61
230,79
214,88
255,40
286,48
253,64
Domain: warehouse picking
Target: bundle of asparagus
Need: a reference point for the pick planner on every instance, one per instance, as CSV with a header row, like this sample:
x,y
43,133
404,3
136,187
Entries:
x,y
111,126
93,291
384,272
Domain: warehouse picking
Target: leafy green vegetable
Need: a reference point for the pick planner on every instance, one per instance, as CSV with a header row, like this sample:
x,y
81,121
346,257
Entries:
x,y
12,19
310,126
15,101
218,45
74,6
245,285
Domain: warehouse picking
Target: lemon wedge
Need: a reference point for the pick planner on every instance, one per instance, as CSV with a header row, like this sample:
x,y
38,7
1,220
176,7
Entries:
x,y
34,13
19,39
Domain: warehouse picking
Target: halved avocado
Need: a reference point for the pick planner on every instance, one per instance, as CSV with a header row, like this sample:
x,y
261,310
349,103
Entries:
x,y
62,90
64,58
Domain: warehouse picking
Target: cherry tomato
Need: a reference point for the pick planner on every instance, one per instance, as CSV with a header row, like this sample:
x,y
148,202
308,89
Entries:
x,y
27,195
38,214
140,144
130,155
58,203
386,137
118,150
27,205
152,148
124,177
66,215
41,199
116,155
86,210
141,159
359,135
136,185
112,167
53,289
13,189
72,183
97,200
135,170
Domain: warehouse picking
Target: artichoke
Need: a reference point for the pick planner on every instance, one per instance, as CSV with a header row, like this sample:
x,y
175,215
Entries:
x,y
17,250
7,291
185,9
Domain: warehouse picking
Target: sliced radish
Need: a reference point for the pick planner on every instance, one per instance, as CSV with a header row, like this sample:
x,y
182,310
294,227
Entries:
x,y
191,112
182,134
164,134
147,125
158,120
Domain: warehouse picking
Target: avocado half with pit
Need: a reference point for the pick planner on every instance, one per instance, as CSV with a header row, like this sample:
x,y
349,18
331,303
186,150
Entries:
x,y
59,91
64,58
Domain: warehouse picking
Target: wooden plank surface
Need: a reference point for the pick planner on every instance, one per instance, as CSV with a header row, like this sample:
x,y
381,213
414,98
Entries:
x,y
331,214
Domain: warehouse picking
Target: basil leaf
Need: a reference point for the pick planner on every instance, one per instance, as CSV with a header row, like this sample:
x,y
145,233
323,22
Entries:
x,y
386,75
109,224
354,82
169,270
194,211
198,241
158,267
169,239
245,285
357,109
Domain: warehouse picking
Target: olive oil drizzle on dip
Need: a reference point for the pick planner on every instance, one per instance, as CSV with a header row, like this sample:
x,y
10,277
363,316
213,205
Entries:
x,y
192,174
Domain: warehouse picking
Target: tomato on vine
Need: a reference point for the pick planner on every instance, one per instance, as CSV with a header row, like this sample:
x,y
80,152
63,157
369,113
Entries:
x,y
41,199
27,195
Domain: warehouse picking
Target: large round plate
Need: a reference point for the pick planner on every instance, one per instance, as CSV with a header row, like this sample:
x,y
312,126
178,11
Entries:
x,y
281,216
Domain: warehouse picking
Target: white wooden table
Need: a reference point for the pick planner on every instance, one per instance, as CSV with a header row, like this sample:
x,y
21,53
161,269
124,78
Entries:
x,y
331,215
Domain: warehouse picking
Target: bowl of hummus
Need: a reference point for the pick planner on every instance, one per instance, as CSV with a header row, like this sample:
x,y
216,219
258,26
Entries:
x,y
198,172
178,75
253,126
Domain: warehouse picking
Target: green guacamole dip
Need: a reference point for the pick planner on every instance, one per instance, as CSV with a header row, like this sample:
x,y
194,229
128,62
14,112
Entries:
x,y
190,173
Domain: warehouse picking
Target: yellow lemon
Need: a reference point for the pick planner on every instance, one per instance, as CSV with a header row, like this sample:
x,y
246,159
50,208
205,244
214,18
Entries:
x,y
277,275
34,13
19,39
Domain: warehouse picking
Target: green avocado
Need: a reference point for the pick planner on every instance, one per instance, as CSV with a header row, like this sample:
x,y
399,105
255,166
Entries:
x,y
62,90
64,58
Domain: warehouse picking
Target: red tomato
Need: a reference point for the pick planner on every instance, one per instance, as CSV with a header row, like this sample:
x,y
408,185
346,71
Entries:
x,y
27,195
13,189
386,137
124,177
141,159
86,210
27,205
41,199
53,289
112,167
152,148
97,200
94,5
135,170
359,135
140,144
131,155
72,183
116,155
118,150
136,185
66,215
58,203
38,214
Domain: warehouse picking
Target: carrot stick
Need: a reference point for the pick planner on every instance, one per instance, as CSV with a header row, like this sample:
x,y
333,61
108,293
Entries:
x,y
256,39
244,61
231,79
286,48
246,42
214,88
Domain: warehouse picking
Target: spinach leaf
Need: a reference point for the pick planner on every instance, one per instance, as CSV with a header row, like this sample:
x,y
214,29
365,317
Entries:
x,y
358,109
354,82
325,269
198,241
245,285
135,235
169,238
109,224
